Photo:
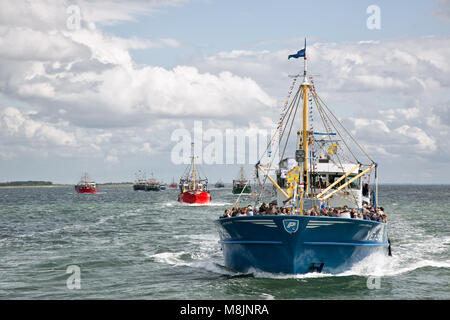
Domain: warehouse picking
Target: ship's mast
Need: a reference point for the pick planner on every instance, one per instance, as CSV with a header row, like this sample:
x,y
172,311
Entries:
x,y
193,168
242,174
305,86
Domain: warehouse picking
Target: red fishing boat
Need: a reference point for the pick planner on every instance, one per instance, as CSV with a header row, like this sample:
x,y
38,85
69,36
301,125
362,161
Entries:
x,y
173,185
193,188
85,186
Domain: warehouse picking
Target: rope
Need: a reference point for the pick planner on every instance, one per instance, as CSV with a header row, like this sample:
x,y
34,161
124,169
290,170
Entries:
x,y
280,123
295,99
290,129
337,156
337,131
359,146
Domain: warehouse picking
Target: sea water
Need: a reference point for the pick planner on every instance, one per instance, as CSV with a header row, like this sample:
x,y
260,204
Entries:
x,y
125,244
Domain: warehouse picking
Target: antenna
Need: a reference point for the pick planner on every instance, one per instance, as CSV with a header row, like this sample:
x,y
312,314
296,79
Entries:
x,y
305,69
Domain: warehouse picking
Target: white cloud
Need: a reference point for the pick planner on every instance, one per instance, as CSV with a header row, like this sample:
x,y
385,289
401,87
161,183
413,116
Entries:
x,y
423,141
390,86
395,66
53,14
16,125
408,114
443,9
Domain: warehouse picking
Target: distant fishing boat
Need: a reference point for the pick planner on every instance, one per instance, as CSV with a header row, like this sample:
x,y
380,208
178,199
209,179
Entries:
x,y
140,181
321,173
219,184
139,185
152,185
193,188
86,186
173,185
241,185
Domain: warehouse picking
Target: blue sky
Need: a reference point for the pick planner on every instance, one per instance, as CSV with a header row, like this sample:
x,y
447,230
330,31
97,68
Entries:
x,y
107,99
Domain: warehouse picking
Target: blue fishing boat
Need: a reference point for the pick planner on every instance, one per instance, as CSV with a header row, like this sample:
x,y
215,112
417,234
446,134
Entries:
x,y
304,230
299,244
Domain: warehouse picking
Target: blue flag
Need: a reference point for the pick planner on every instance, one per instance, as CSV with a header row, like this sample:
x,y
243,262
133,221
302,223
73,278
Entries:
x,y
300,53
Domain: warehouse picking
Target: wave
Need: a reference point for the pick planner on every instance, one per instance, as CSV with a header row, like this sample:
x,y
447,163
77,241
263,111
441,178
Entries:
x,y
171,258
211,204
208,257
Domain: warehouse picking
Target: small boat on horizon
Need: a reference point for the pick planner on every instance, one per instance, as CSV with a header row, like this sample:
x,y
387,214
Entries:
x,y
86,186
139,185
219,184
173,184
193,188
140,181
152,184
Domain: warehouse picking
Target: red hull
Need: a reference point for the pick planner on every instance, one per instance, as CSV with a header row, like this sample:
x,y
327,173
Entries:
x,y
83,189
194,197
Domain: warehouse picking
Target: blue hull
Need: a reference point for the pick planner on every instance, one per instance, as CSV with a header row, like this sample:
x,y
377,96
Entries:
x,y
299,244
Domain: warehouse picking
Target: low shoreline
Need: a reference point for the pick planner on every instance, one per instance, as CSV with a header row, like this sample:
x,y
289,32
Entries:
x,y
65,186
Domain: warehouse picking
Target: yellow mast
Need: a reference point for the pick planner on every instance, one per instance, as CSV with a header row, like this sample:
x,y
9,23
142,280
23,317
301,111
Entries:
x,y
305,137
305,86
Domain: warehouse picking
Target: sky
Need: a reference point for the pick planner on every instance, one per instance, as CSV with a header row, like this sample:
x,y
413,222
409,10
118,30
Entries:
x,y
103,86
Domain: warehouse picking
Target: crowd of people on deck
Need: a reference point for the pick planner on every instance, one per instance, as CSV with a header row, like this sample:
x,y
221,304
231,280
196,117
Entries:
x,y
365,213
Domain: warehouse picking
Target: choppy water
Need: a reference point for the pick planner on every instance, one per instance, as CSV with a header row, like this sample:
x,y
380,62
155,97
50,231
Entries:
x,y
145,245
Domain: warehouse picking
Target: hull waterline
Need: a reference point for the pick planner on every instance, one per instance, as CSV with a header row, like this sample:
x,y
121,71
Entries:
x,y
299,244
239,190
200,197
82,189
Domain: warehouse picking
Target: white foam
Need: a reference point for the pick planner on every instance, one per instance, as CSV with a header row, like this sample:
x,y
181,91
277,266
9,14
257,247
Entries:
x,y
183,204
408,255
171,258
267,296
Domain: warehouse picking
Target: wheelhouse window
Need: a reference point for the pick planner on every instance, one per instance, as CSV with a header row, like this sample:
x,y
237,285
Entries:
x,y
353,185
319,181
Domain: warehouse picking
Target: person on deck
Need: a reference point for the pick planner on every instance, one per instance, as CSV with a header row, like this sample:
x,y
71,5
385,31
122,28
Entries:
x,y
262,208
367,214
345,213
376,216
273,211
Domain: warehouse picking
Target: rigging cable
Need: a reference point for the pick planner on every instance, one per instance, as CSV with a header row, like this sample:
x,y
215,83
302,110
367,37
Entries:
x,y
359,146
